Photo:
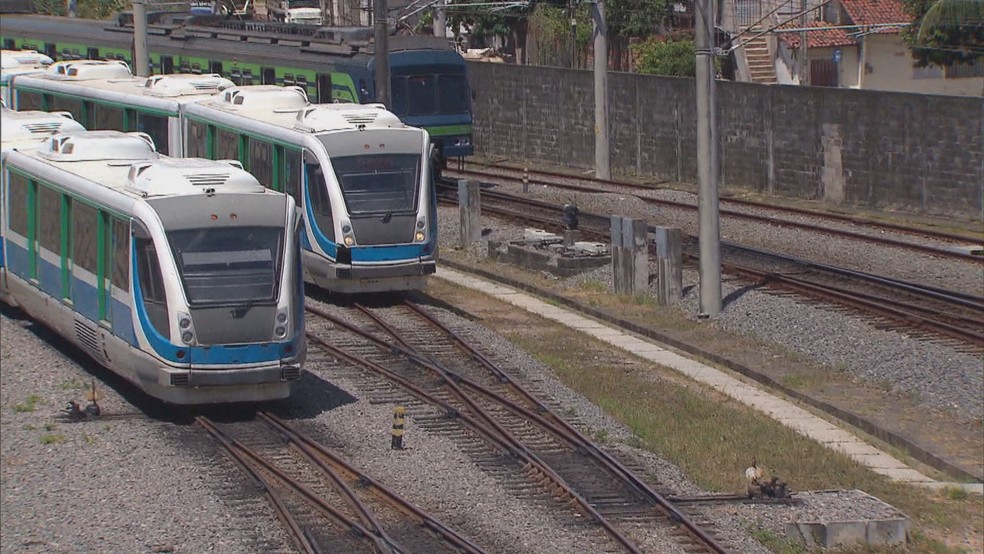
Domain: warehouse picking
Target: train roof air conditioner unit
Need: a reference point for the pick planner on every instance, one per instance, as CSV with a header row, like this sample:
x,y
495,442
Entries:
x,y
88,146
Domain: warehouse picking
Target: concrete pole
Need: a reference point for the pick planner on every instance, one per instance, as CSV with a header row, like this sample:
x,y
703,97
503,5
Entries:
x,y
707,202
381,39
141,60
71,8
572,16
602,158
440,20
804,52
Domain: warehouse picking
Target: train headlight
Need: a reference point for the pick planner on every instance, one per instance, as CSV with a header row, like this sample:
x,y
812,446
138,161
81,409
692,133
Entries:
x,y
282,317
421,223
419,236
184,323
280,331
186,327
349,241
188,337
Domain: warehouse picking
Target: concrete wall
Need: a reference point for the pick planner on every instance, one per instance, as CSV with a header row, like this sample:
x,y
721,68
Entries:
x,y
872,149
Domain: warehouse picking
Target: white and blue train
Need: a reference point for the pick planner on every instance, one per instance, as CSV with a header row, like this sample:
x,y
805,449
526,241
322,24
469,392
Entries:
x,y
181,275
362,178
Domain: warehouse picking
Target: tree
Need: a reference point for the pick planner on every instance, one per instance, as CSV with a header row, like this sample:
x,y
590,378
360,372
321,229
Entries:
x,y
945,32
657,56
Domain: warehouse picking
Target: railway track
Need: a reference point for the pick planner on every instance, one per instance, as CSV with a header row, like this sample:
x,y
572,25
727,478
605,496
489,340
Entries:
x,y
516,436
954,317
751,211
326,504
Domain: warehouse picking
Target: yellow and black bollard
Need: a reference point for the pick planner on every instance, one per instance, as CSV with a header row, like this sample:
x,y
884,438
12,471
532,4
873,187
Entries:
x,y
399,415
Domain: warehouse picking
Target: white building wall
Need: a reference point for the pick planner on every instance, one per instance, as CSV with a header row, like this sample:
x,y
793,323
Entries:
x,y
889,66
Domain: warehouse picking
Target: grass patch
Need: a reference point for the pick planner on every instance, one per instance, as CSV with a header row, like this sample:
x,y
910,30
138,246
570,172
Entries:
x,y
52,438
714,438
776,543
28,405
594,285
74,384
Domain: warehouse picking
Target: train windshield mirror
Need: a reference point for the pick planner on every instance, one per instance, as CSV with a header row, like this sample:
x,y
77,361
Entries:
x,y
228,265
378,183
453,94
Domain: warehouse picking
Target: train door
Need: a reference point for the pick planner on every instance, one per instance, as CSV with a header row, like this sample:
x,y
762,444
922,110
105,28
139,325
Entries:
x,y
51,50
167,65
215,67
268,76
324,88
92,53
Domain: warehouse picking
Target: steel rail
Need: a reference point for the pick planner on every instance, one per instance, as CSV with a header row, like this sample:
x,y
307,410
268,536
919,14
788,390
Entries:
x,y
501,437
313,450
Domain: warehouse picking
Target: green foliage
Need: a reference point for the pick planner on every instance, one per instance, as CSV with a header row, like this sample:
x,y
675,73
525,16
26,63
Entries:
x,y
28,405
52,438
89,9
636,18
673,57
945,32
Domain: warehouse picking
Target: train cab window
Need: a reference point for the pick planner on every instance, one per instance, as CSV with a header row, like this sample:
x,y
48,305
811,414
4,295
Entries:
x,y
17,206
452,94
398,95
49,212
261,162
421,95
156,127
85,240
107,117
292,175
227,145
120,252
378,184
151,281
320,203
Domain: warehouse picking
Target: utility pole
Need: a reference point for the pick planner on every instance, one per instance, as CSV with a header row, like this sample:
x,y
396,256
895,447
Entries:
x,y
440,20
571,15
71,8
141,62
382,52
804,53
602,157
707,166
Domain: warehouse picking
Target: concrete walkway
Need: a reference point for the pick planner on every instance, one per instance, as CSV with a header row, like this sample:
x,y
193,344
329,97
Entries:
x,y
787,413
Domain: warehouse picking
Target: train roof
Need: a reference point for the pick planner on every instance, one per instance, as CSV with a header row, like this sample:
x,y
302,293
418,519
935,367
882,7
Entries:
x,y
162,92
264,43
287,108
128,163
34,126
10,59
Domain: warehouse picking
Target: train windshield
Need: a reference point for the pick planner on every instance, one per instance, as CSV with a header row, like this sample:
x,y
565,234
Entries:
x,y
444,94
378,183
228,264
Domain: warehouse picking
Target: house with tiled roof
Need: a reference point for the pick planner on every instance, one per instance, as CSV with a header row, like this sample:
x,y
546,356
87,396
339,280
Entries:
x,y
849,44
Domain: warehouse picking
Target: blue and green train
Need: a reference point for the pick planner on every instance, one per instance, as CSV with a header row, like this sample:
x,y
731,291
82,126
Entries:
x,y
429,83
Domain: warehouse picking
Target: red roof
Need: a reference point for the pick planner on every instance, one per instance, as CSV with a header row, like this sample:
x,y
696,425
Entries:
x,y
873,12
821,38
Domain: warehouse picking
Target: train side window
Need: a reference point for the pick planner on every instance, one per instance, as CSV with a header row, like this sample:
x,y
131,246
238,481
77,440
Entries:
x,y
196,68
215,67
167,64
268,76
151,282
85,251
320,202
107,117
121,255
261,162
17,206
288,79
292,175
68,104
92,53
398,95
29,100
185,67
247,77
227,145
49,212
197,139
156,127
